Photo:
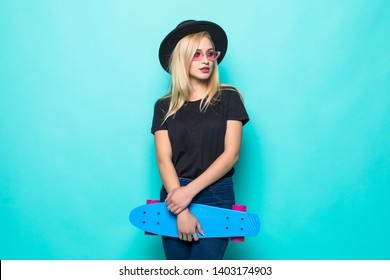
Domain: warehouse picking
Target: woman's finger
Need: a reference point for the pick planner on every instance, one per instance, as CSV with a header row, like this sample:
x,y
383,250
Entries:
x,y
195,236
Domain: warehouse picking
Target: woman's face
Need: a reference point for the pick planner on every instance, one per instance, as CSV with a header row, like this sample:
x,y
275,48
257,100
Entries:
x,y
201,67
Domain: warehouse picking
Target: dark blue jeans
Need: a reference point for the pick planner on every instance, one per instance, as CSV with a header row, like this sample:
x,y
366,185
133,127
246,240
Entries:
x,y
219,194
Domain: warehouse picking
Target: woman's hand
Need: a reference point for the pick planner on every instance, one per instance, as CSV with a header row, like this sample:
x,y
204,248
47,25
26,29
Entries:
x,y
179,199
187,225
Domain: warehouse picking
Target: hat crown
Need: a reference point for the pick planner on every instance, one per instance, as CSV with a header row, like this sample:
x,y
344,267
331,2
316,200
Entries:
x,y
183,23
187,27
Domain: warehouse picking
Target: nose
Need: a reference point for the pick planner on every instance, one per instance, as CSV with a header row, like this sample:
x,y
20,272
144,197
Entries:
x,y
205,60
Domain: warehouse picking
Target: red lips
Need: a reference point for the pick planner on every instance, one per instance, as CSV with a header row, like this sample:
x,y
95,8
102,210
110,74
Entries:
x,y
205,69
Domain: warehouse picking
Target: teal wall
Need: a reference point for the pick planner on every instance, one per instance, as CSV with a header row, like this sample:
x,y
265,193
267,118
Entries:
x,y
78,81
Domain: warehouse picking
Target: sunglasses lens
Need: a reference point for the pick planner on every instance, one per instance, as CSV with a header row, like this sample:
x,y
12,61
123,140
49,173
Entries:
x,y
211,55
198,56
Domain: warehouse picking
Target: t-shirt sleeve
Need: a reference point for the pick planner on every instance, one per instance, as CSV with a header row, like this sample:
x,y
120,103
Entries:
x,y
158,116
236,109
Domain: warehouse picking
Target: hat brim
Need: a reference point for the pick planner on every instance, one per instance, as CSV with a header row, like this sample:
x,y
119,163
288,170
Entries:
x,y
216,32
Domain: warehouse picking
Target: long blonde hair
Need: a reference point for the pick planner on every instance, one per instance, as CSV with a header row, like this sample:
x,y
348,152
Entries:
x,y
180,87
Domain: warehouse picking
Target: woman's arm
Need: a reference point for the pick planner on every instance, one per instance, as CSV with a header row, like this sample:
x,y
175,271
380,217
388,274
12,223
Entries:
x,y
186,222
164,160
178,199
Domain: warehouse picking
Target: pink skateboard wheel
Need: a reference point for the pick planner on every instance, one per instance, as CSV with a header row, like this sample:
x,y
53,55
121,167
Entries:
x,y
151,201
238,207
241,208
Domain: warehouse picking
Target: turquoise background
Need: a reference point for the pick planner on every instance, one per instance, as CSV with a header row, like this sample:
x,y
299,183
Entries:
x,y
78,81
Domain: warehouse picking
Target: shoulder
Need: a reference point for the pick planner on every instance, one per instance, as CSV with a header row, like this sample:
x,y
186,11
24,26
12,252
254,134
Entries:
x,y
232,100
228,92
163,102
228,88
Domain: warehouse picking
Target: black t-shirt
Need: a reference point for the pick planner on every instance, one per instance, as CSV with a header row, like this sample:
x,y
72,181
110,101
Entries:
x,y
197,138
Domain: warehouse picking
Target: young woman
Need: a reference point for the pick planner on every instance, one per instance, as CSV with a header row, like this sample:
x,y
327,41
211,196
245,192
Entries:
x,y
197,129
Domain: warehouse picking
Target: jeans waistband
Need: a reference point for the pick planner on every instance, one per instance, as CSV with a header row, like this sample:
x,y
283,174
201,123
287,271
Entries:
x,y
219,194
220,182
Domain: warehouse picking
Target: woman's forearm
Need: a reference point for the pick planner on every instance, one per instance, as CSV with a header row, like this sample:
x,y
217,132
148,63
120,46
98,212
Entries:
x,y
168,175
215,171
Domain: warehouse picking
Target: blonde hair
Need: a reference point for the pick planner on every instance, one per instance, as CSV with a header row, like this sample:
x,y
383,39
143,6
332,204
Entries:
x,y
179,64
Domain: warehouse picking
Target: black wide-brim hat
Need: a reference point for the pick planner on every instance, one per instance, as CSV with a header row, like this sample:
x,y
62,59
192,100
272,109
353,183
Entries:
x,y
188,27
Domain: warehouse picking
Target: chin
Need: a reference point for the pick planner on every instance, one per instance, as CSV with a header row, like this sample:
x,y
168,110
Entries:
x,y
201,78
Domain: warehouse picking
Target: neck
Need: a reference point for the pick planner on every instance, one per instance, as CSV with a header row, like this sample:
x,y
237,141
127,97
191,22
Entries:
x,y
198,91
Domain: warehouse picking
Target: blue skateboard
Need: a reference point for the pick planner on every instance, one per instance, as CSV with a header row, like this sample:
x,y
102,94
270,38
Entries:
x,y
155,218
